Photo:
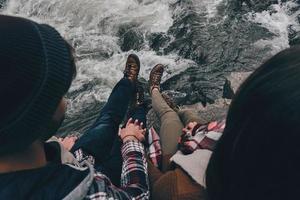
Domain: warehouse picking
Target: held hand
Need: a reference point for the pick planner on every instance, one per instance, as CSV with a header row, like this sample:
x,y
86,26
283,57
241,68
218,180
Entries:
x,y
68,142
133,131
189,127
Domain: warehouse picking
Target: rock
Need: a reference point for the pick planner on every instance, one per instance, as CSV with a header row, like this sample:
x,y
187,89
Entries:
x,y
294,35
295,40
222,46
211,112
198,86
2,2
233,82
158,40
187,41
130,38
178,97
228,92
253,5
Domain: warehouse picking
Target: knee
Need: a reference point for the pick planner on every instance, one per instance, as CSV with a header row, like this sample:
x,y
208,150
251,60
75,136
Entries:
x,y
165,187
169,114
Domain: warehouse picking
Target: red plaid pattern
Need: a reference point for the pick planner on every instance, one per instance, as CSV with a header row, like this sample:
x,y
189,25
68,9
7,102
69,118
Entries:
x,y
134,178
202,137
154,150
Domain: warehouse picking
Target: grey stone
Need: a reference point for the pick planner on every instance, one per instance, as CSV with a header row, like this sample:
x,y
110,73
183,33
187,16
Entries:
x,y
130,37
254,5
294,37
233,82
211,112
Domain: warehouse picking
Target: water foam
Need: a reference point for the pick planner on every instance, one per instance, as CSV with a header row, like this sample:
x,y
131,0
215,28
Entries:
x,y
277,20
209,7
92,27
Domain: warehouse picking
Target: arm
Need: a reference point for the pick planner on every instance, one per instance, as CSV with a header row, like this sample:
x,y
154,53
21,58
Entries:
x,y
134,178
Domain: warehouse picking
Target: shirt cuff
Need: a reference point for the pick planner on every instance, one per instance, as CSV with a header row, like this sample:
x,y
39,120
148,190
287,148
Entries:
x,y
132,146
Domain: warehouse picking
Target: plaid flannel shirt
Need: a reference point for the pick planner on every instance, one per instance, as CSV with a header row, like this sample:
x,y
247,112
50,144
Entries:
x,y
154,150
202,137
134,178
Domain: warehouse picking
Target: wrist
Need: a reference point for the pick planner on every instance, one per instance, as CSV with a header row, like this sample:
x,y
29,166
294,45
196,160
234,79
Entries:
x,y
129,138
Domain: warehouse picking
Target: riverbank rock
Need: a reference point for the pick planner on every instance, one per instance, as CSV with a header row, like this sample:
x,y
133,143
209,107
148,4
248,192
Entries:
x,y
294,38
253,5
233,82
2,2
210,112
130,38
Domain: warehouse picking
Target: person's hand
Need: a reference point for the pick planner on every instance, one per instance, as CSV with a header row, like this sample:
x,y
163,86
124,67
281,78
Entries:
x,y
133,131
189,127
68,142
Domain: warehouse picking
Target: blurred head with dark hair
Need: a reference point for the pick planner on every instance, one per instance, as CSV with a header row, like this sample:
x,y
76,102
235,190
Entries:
x,y
258,156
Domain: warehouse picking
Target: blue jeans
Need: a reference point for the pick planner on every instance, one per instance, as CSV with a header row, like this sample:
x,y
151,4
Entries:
x,y
113,166
101,140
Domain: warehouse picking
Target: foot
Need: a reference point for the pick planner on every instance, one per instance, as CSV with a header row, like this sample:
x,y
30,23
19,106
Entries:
x,y
132,67
170,102
155,77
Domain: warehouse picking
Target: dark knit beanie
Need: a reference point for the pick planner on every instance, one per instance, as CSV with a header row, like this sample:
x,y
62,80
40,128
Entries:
x,y
35,73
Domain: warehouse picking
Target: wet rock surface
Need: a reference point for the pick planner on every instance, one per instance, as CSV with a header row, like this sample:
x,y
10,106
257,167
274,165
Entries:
x,y
294,36
217,45
130,38
233,82
2,2
253,5
209,112
217,35
295,40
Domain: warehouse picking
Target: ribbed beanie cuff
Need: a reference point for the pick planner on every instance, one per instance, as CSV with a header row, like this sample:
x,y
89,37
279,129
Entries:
x,y
52,74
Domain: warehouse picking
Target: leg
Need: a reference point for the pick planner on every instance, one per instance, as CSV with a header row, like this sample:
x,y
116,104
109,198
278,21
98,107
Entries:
x,y
117,104
98,140
176,184
113,166
154,175
188,115
139,113
171,127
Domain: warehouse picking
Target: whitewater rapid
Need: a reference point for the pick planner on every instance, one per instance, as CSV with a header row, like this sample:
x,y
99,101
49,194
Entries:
x,y
95,28
278,20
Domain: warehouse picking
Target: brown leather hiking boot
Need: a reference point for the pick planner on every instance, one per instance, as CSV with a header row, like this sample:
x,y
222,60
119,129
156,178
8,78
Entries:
x,y
170,102
132,67
155,77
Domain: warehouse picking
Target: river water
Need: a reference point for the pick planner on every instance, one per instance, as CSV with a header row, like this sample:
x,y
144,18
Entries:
x,y
200,42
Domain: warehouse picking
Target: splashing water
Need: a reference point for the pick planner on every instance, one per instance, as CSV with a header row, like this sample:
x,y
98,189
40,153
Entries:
x,y
277,20
100,30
